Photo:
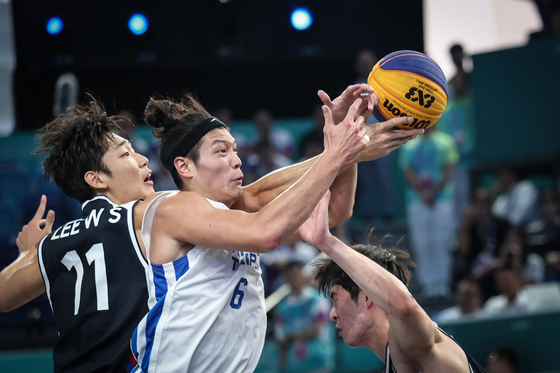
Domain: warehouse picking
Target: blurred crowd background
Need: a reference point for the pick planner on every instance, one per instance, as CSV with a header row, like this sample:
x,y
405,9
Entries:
x,y
475,200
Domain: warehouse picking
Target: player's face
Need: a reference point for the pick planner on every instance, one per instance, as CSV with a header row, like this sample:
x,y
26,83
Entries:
x,y
350,318
218,174
130,175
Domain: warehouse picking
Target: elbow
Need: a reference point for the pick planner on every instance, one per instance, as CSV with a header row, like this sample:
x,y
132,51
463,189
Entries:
x,y
267,241
341,215
405,306
4,307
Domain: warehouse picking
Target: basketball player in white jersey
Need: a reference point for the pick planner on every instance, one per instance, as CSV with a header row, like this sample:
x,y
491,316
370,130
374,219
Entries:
x,y
207,310
87,159
372,306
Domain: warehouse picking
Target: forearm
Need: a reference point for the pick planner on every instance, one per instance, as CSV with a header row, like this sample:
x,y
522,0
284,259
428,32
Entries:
x,y
382,288
263,191
285,215
24,285
343,196
258,194
411,178
22,259
447,175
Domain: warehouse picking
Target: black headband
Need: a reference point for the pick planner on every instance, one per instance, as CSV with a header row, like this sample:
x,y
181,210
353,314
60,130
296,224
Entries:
x,y
191,139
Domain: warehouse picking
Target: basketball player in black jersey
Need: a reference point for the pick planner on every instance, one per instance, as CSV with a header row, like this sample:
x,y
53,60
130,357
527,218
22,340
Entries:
x,y
372,306
93,269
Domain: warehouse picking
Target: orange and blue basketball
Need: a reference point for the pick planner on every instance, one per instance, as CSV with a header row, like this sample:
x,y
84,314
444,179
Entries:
x,y
409,83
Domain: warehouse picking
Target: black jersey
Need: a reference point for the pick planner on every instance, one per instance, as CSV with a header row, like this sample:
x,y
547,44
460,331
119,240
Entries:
x,y
474,367
95,279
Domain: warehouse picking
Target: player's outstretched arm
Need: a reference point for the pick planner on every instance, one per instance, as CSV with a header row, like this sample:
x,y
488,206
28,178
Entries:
x,y
28,240
411,327
263,191
22,286
273,224
340,105
384,138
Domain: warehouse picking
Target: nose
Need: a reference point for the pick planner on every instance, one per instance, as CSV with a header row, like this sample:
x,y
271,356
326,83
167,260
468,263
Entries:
x,y
236,161
332,315
142,161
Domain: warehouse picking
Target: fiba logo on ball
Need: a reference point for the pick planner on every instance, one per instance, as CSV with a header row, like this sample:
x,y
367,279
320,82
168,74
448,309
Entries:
x,y
409,83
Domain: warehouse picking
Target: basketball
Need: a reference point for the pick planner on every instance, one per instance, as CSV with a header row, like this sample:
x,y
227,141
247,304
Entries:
x,y
409,83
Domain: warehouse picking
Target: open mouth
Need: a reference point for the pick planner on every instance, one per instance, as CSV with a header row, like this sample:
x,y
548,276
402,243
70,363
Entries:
x,y
147,179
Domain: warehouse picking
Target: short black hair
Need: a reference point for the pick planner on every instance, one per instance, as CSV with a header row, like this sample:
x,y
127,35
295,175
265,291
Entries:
x,y
393,260
75,143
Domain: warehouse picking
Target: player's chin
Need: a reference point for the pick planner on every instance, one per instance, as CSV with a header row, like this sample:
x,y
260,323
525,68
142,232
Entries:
x,y
350,342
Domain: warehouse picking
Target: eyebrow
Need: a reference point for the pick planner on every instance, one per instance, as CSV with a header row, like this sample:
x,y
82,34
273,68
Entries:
x,y
122,143
223,141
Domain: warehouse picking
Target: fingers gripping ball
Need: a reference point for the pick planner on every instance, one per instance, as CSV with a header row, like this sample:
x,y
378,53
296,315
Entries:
x,y
409,83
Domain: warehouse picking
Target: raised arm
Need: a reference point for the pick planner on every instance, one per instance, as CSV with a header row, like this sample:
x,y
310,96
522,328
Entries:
x,y
273,224
28,240
21,281
22,286
411,328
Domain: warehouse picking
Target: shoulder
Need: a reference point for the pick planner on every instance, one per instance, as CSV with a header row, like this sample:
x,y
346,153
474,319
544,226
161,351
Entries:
x,y
177,204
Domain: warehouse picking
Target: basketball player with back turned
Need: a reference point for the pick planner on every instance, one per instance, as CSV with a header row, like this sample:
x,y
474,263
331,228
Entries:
x,y
372,306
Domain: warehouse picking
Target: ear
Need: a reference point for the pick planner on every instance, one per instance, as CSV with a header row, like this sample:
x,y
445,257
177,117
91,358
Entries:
x,y
367,301
96,180
184,167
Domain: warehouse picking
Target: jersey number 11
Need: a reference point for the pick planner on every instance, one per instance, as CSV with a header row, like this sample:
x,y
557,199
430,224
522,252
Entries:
x,y
94,254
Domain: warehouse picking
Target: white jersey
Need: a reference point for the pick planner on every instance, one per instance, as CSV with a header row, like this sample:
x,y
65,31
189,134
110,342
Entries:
x,y
207,311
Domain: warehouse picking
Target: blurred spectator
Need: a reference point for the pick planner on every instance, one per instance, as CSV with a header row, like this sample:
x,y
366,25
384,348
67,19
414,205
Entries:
x,y
531,264
480,237
376,172
274,261
543,235
553,265
281,139
501,360
427,164
512,300
311,143
264,161
458,121
302,326
519,201
468,300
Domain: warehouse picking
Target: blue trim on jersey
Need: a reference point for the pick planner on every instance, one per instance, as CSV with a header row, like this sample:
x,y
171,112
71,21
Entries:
x,y
159,280
181,266
134,343
151,325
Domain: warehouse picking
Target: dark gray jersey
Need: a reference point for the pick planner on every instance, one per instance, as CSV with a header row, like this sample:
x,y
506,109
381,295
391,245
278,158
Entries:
x,y
473,365
95,279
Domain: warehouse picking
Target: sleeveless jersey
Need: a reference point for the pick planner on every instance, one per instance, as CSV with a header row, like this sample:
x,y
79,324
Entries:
x,y
474,367
207,311
96,280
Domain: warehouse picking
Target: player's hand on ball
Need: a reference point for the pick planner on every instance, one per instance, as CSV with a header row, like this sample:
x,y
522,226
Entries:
x,y
384,139
340,105
345,139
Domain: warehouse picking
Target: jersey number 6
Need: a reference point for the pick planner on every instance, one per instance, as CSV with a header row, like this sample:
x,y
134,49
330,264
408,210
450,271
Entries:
x,y
238,294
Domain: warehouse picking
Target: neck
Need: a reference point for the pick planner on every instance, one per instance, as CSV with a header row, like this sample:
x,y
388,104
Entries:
x,y
377,340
